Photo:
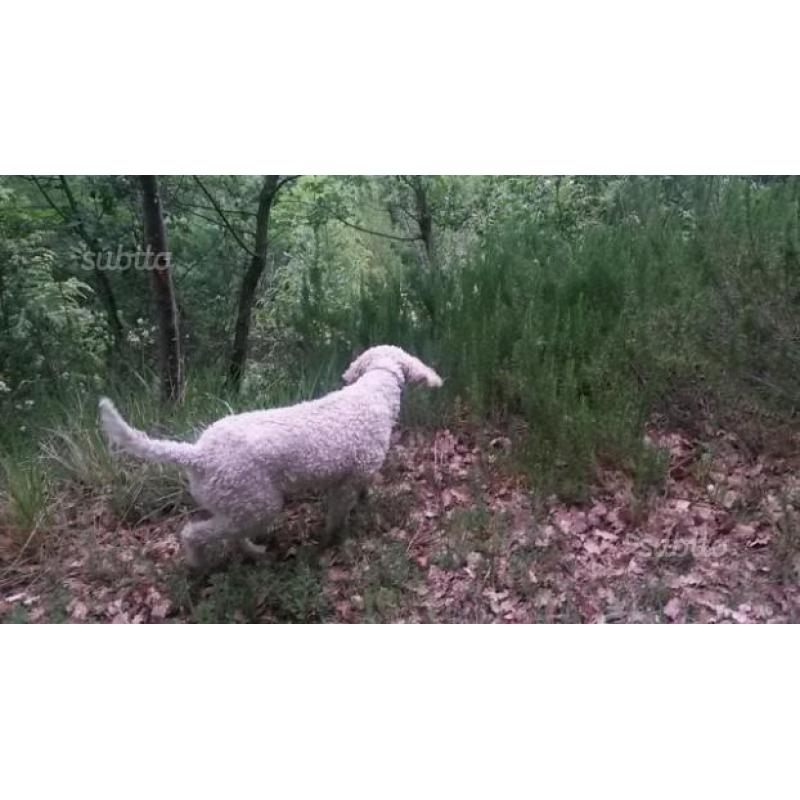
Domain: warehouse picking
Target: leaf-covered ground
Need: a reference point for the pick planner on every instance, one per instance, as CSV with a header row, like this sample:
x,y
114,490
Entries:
x,y
452,533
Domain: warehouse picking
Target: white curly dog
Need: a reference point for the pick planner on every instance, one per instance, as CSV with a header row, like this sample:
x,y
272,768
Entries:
x,y
243,465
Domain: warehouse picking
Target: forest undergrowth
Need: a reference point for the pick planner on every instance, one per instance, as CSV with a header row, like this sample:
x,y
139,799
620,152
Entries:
x,y
616,439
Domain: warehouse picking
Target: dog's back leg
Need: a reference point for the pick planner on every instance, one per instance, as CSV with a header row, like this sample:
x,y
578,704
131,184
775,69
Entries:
x,y
249,548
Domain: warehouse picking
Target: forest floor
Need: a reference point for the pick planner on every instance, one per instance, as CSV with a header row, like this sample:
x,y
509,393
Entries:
x,y
452,533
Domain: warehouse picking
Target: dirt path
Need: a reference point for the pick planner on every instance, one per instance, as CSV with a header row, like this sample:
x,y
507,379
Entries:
x,y
452,534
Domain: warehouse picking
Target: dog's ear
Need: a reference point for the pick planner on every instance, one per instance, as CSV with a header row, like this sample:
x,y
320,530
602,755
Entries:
x,y
418,372
357,368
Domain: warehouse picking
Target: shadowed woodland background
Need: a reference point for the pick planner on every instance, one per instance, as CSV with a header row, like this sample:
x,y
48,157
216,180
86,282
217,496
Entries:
x,y
566,314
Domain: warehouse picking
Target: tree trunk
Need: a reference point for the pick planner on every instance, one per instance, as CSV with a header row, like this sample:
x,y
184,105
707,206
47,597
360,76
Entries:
x,y
166,309
424,220
252,276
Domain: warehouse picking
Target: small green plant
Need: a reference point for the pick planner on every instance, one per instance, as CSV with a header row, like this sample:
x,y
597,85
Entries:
x,y
26,493
472,530
387,579
78,457
649,469
231,596
18,615
285,592
527,561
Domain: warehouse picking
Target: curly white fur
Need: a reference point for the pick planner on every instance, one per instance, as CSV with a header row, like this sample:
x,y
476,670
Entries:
x,y
243,465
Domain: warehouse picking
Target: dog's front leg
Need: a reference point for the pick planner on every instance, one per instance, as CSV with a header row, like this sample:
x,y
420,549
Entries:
x,y
340,501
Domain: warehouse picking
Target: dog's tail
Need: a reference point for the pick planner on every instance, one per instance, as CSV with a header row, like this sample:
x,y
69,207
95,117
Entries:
x,y
138,443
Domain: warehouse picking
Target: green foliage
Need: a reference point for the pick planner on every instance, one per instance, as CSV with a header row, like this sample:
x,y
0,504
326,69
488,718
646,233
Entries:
x,y
245,593
47,327
25,495
584,324
572,307
387,580
473,532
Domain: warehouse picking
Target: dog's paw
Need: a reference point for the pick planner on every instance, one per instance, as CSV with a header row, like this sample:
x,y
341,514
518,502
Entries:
x,y
251,549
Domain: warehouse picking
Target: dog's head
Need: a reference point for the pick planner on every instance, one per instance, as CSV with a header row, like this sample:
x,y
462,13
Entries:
x,y
393,359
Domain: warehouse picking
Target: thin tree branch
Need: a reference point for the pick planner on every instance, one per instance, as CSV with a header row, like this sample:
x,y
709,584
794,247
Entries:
x,y
371,232
224,219
215,220
231,211
284,180
49,200
76,215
